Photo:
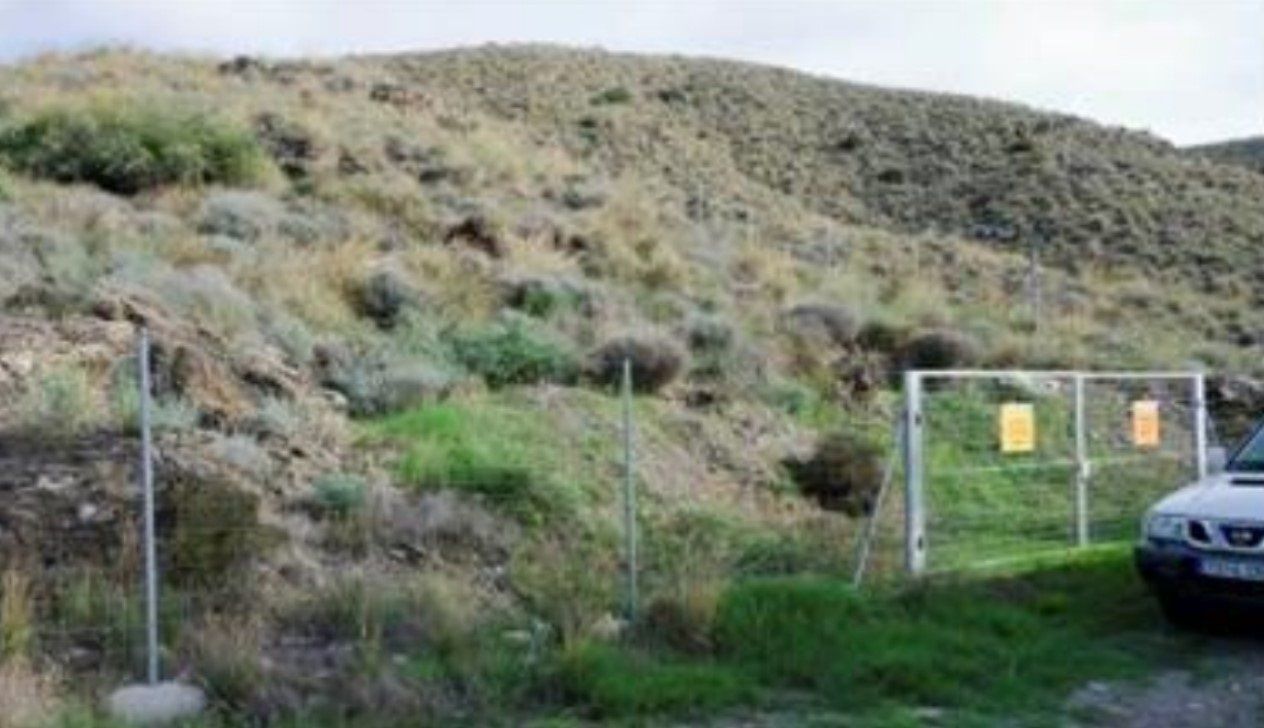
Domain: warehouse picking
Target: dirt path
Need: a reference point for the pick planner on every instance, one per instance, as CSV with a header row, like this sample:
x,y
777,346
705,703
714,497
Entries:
x,y
1226,692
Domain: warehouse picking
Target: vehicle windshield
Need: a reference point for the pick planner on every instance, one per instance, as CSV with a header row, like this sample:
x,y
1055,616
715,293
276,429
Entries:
x,y
1250,456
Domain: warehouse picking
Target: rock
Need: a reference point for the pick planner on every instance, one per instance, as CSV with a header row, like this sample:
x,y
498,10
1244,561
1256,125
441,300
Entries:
x,y
154,705
608,628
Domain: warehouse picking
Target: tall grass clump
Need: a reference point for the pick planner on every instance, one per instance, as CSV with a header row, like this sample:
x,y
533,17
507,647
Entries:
x,y
60,404
128,148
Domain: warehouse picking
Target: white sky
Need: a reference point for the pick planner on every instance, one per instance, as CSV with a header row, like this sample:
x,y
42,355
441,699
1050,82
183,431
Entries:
x,y
1188,70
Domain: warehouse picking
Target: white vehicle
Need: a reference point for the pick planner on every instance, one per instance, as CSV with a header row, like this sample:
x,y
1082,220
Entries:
x,y
1202,547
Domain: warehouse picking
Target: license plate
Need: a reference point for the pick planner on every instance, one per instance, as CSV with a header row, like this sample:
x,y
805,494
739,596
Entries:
x,y
1233,569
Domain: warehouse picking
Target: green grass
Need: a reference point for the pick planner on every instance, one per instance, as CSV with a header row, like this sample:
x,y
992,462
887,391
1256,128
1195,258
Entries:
x,y
506,454
1011,645
618,682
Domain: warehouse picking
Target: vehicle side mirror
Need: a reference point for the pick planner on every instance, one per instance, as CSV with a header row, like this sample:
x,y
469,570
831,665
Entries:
x,y
1217,459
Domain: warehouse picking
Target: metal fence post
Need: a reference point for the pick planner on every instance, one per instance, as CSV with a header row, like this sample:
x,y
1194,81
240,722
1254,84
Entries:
x,y
147,488
1200,424
914,512
1082,472
629,492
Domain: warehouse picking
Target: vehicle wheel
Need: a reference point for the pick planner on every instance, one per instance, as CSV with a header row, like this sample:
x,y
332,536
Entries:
x,y
1182,612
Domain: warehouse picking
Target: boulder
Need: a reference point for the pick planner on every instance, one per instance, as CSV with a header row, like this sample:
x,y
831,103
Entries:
x,y
160,704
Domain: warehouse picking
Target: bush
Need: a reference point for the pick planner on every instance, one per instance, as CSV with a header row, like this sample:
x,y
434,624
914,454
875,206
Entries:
x,y
832,323
6,185
338,494
128,149
843,474
60,404
374,387
710,335
656,362
245,216
612,95
384,297
513,352
543,296
881,335
939,349
214,529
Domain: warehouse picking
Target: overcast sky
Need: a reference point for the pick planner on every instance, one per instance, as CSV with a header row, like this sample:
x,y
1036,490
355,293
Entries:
x,y
1190,70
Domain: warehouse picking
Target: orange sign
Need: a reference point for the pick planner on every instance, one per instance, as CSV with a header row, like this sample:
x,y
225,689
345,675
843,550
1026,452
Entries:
x,y
1145,423
1018,427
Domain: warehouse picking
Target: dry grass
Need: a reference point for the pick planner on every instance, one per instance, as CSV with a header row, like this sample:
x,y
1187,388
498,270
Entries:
x,y
27,698
16,616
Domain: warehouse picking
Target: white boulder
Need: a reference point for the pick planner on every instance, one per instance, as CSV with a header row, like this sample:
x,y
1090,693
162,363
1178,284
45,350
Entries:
x,y
155,705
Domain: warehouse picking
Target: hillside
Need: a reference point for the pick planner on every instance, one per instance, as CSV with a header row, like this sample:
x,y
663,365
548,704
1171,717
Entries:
x,y
391,298
1247,152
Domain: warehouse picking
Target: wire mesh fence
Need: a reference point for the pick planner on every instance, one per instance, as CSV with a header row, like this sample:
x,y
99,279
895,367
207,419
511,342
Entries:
x,y
1081,460
646,539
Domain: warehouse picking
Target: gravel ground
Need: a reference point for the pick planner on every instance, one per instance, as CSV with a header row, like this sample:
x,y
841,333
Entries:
x,y
1227,692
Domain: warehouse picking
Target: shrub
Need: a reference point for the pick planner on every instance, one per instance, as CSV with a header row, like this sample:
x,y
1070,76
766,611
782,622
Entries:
x,y
710,335
241,452
214,528
543,296
338,494
612,95
6,185
656,362
514,352
882,335
245,216
208,296
843,474
939,349
384,297
128,149
398,388
60,404
832,323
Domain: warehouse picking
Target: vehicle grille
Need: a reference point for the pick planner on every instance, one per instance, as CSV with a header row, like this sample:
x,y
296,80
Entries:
x,y
1243,537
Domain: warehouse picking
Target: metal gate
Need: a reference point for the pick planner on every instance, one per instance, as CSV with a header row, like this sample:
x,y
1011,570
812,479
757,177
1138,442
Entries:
x,y
1021,463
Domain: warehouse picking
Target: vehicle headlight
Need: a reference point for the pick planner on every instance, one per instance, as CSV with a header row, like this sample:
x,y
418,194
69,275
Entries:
x,y
1171,528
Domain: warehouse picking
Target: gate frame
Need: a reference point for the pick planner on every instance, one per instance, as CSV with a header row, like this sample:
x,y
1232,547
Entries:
x,y
914,467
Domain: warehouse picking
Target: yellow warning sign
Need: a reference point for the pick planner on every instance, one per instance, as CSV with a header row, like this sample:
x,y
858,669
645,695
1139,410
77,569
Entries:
x,y
1145,423
1018,427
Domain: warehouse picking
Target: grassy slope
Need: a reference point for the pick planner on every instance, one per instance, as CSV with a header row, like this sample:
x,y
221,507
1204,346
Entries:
x,y
1247,152
669,191
918,161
